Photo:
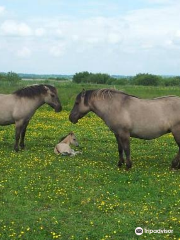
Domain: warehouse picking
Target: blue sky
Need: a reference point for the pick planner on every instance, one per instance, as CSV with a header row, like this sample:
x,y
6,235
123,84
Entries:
x,y
67,36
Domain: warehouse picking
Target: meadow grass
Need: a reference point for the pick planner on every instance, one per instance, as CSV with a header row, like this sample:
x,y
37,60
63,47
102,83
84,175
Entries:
x,y
86,197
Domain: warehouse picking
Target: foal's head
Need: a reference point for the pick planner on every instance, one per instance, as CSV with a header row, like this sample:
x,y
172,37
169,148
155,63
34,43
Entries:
x,y
73,139
70,139
81,106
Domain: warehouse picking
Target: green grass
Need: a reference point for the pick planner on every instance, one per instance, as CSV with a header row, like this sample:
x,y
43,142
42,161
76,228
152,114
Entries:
x,y
44,196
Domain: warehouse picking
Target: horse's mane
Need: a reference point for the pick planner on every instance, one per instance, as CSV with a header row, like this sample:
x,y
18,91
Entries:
x,y
103,93
33,90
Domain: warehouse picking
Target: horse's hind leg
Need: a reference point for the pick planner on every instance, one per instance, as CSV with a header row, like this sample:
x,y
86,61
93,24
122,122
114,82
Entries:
x,y
17,137
176,134
18,130
22,136
125,141
120,150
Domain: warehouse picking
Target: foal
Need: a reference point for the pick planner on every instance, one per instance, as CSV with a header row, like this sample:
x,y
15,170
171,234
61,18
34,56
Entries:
x,y
63,147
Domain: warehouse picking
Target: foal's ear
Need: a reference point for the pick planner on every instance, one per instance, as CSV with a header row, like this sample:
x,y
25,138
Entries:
x,y
83,92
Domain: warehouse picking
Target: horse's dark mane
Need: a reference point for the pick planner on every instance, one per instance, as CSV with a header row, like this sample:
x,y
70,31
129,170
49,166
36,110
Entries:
x,y
33,90
102,93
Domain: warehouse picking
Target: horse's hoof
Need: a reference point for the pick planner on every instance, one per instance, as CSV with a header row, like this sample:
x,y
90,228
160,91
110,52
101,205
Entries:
x,y
119,165
16,149
175,166
128,166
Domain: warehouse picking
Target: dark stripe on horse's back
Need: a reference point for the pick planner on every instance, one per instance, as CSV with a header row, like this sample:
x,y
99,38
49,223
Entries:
x,y
33,90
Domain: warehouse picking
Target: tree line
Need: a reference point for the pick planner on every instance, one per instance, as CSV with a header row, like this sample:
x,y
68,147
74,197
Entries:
x,y
144,79
10,77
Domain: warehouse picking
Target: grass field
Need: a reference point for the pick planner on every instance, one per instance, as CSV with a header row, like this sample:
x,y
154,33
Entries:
x,y
86,197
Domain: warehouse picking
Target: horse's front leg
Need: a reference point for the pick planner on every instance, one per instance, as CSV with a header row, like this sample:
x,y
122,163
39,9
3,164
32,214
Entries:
x,y
120,150
18,129
22,135
125,140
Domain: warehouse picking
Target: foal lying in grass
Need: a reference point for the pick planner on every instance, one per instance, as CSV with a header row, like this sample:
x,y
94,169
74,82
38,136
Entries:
x,y
64,148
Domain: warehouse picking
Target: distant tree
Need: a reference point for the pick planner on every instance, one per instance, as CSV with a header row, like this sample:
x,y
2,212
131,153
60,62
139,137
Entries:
x,y
2,77
98,78
121,81
81,77
146,79
86,77
12,77
172,81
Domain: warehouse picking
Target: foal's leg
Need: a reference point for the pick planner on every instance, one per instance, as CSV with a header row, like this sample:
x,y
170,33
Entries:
x,y
23,132
125,140
176,134
120,150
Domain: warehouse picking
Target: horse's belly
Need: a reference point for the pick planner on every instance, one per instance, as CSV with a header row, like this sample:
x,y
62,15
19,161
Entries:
x,y
6,120
148,134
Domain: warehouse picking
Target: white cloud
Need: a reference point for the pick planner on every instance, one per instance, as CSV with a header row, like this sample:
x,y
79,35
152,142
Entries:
x,y
153,27
24,52
2,10
11,27
57,50
143,34
39,32
114,38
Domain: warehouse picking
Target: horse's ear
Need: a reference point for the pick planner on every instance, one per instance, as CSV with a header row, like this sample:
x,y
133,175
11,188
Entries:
x,y
71,133
46,88
83,92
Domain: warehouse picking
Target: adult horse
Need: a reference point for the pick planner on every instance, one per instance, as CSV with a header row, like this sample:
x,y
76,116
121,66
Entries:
x,y
129,116
18,108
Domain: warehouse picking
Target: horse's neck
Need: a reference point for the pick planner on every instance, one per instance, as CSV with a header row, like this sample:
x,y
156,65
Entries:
x,y
66,140
30,105
36,102
99,107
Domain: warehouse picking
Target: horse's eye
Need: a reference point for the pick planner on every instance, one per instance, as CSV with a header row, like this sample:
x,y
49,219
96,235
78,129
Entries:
x,y
52,95
76,103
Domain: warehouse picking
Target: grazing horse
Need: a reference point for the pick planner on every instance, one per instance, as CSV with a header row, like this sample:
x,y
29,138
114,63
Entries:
x,y
129,116
18,108
63,147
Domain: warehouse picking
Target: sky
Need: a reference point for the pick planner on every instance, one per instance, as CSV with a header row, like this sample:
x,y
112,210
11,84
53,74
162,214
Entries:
x,y
123,37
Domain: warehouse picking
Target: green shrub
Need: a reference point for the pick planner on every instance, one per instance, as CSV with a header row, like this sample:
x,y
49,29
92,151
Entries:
x,y
146,79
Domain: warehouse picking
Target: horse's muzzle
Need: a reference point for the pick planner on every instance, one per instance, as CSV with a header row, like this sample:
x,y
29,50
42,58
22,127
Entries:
x,y
73,120
58,109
